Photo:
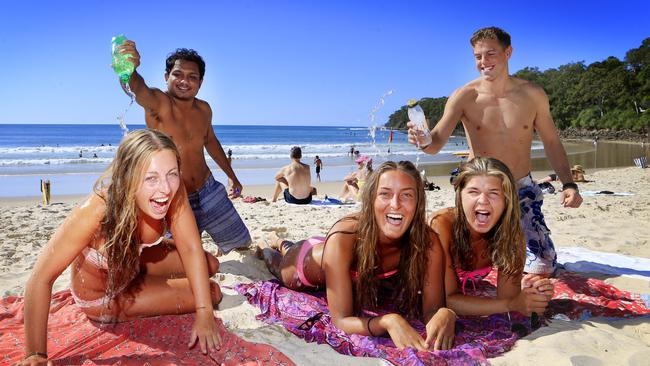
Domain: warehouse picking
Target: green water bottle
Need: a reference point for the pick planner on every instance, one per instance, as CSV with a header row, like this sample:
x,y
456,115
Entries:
x,y
121,64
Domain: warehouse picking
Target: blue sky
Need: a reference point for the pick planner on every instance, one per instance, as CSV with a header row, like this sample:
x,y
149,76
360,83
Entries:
x,y
288,62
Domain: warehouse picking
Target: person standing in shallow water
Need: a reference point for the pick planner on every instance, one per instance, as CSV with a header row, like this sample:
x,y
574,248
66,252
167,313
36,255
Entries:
x,y
318,163
188,121
500,114
121,265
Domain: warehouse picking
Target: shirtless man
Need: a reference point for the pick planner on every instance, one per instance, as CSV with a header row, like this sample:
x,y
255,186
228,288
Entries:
x,y
296,177
500,114
188,121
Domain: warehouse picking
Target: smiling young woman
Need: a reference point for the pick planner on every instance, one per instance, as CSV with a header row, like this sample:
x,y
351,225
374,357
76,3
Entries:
x,y
121,264
386,253
484,231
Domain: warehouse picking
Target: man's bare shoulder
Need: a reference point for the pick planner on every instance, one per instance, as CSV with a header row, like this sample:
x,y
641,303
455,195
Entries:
x,y
202,104
465,94
528,87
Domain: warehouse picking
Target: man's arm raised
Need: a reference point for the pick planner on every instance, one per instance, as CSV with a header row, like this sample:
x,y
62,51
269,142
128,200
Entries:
x,y
149,98
553,148
445,126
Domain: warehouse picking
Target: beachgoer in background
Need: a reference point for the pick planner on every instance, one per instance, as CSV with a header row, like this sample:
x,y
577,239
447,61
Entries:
x,y
384,253
500,114
353,183
94,155
352,151
81,153
319,166
295,179
115,277
230,187
577,173
484,231
188,120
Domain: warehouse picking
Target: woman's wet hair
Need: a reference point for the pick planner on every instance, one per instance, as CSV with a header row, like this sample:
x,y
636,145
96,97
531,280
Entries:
x,y
505,241
117,187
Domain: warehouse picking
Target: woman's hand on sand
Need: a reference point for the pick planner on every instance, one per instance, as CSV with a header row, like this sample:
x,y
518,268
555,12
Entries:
x,y
35,360
440,330
205,331
401,332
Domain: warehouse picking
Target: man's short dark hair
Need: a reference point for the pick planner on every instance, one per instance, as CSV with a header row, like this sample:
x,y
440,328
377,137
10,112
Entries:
x,y
296,152
491,33
185,54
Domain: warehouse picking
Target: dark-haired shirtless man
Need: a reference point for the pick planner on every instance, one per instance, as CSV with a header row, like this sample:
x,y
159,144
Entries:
x,y
188,121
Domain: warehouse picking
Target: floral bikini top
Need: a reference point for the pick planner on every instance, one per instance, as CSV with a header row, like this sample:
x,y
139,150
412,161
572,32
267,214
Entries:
x,y
94,257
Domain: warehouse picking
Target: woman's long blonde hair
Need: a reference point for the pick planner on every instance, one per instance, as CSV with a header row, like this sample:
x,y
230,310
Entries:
x,y
415,245
505,242
117,187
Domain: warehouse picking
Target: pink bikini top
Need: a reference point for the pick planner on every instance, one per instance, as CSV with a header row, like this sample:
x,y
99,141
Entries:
x,y
98,260
380,276
475,275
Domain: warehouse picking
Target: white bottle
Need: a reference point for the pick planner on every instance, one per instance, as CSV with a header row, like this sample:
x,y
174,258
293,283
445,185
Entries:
x,y
416,115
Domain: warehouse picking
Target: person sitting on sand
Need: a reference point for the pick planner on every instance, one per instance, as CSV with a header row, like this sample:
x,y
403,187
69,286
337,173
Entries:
x,y
353,183
384,253
115,277
484,231
577,173
295,179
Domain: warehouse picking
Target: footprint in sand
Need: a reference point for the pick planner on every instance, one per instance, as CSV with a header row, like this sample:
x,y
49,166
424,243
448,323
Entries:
x,y
277,229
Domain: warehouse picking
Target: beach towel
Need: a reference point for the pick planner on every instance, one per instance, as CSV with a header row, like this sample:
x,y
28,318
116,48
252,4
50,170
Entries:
x,y
162,340
326,202
578,259
605,193
477,338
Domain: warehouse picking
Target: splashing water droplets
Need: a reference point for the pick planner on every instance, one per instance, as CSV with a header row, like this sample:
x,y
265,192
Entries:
x,y
372,129
121,116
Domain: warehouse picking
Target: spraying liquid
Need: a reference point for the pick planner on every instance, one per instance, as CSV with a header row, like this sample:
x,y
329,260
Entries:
x,y
123,68
372,130
416,115
121,116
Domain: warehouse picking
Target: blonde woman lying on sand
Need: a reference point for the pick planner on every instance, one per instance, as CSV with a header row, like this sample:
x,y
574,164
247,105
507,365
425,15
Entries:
x,y
385,252
481,232
115,277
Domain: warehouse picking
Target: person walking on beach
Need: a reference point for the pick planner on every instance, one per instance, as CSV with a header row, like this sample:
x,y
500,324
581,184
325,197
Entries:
x,y
188,121
500,114
319,166
295,178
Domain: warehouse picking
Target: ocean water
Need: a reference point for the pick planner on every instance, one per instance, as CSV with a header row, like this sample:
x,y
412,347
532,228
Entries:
x,y
75,155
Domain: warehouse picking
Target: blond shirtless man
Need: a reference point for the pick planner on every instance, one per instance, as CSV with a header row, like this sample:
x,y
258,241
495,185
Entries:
x,y
295,178
500,114
188,121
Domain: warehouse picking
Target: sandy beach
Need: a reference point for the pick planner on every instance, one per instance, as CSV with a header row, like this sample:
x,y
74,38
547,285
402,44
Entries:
x,y
604,223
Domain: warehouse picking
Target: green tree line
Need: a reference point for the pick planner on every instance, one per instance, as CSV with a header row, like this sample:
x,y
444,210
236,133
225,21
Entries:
x,y
611,94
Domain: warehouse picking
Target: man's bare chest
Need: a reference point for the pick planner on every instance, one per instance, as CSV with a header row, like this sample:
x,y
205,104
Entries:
x,y
500,115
